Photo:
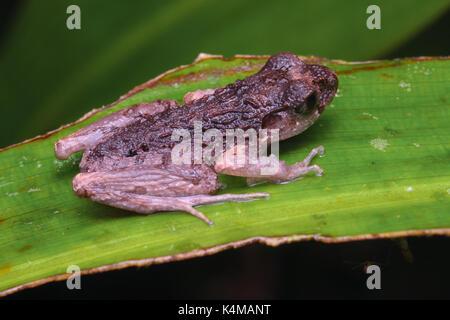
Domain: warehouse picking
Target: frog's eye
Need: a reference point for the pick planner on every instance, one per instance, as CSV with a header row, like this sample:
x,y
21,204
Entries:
x,y
308,105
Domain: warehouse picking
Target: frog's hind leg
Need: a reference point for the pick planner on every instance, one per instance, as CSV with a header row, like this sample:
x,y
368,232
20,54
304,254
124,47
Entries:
x,y
147,204
147,189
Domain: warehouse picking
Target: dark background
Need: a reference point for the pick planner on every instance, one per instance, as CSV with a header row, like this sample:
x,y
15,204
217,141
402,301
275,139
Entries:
x,y
302,270
307,270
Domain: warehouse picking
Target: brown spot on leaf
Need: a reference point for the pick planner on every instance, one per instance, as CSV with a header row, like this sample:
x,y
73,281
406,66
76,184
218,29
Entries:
x,y
395,63
385,75
212,73
365,116
5,268
25,248
391,132
369,68
32,177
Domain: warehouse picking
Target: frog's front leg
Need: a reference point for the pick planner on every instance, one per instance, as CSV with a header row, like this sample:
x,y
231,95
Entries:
x,y
91,135
148,189
265,168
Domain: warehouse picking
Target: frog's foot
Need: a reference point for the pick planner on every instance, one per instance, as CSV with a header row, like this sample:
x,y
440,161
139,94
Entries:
x,y
269,168
146,189
208,199
289,173
320,150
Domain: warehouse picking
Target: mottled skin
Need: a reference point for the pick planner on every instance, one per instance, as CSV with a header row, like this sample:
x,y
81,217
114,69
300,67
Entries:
x,y
127,163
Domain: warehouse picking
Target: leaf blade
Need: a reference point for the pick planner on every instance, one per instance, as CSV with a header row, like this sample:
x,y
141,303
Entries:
x,y
386,174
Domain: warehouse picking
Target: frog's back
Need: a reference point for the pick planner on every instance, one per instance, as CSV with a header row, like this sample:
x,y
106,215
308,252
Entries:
x,y
244,104
148,139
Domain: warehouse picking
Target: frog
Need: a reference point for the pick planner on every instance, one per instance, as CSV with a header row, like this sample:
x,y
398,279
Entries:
x,y
127,161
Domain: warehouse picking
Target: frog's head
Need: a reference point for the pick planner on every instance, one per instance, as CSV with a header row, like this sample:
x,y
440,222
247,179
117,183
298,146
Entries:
x,y
307,92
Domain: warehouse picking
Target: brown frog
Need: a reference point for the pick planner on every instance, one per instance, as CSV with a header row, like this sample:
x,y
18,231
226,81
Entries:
x,y
128,159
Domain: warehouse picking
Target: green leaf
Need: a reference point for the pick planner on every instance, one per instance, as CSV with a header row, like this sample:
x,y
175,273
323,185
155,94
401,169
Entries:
x,y
386,136
53,74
